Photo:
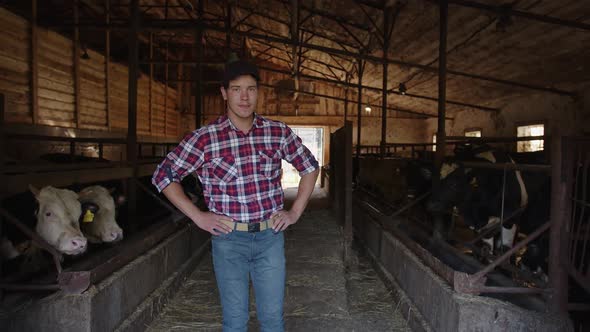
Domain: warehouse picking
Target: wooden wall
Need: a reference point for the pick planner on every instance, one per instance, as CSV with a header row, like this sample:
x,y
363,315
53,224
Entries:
x,y
56,90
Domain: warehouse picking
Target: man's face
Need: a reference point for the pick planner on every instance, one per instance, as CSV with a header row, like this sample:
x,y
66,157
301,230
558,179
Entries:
x,y
241,96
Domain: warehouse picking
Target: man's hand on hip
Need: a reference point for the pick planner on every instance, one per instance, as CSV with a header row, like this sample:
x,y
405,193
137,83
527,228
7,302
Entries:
x,y
213,223
283,219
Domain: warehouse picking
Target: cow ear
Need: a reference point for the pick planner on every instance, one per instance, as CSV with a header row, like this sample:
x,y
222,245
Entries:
x,y
35,191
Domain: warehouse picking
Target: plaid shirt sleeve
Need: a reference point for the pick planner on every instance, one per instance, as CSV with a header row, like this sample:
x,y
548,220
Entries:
x,y
297,154
180,162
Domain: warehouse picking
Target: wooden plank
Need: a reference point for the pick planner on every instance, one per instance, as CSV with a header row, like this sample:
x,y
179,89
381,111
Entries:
x,y
53,114
55,95
56,86
93,120
13,47
63,67
17,65
19,183
55,123
90,78
56,105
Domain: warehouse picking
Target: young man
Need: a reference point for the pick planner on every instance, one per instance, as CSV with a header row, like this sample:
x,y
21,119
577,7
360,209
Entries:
x,y
238,160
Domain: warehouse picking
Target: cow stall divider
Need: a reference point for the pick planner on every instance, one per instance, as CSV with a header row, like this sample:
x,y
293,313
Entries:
x,y
573,233
425,150
367,213
122,285
340,181
17,177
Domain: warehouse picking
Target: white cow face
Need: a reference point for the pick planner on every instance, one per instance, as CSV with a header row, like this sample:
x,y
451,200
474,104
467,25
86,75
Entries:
x,y
104,227
57,219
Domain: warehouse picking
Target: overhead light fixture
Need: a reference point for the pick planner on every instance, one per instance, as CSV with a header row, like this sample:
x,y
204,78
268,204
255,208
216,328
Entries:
x,y
368,109
402,88
85,55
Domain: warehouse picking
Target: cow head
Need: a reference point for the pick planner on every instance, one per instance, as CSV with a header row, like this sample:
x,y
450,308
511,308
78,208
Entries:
x,y
57,219
454,183
102,227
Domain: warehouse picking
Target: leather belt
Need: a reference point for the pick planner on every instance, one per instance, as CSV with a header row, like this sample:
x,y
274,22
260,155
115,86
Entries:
x,y
250,227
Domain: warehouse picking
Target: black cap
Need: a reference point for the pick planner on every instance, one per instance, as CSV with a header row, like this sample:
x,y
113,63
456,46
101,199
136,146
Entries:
x,y
238,68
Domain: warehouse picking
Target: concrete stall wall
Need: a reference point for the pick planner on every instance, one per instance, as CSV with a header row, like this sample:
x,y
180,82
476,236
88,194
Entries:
x,y
430,303
127,300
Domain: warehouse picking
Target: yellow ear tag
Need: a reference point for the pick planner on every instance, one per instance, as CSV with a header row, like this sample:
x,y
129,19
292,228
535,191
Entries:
x,y
88,216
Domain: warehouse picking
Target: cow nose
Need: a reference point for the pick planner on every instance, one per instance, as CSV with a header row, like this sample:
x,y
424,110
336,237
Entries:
x,y
79,243
116,236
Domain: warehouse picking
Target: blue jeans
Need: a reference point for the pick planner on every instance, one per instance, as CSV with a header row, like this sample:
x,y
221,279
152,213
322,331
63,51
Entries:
x,y
239,256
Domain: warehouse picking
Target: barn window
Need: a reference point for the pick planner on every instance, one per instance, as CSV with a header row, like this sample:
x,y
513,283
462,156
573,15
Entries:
x,y
473,132
434,142
527,131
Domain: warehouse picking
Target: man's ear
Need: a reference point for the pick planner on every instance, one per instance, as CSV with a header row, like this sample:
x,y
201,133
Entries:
x,y
223,93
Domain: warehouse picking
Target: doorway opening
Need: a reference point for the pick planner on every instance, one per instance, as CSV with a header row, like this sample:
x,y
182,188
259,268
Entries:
x,y
313,139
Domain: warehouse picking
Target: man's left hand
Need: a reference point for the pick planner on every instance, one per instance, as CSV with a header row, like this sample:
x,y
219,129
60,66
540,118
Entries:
x,y
283,219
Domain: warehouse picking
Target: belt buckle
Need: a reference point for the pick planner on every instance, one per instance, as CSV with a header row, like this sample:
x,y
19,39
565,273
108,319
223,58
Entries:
x,y
253,227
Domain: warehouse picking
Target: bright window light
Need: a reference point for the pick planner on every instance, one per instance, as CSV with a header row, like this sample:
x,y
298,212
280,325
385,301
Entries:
x,y
527,131
473,133
434,142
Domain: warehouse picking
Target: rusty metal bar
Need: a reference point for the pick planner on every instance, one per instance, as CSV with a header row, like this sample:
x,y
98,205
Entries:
x,y
28,287
442,92
512,12
156,197
38,240
512,290
508,166
410,204
510,252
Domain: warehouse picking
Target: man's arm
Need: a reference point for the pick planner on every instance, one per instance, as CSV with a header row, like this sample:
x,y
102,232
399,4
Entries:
x,y
283,219
208,221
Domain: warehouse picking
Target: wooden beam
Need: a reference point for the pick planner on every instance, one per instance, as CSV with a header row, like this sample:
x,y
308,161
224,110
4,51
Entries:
x,y
132,62
182,25
2,138
150,86
107,59
512,12
132,83
166,92
347,84
77,111
442,91
198,73
361,66
14,184
34,86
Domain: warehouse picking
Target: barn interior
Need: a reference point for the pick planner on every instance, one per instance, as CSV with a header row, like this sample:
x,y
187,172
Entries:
x,y
97,92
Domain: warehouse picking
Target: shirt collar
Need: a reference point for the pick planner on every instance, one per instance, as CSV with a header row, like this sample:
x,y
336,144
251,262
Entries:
x,y
225,123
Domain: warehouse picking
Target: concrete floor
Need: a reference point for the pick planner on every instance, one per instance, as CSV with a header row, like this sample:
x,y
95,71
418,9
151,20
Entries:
x,y
321,293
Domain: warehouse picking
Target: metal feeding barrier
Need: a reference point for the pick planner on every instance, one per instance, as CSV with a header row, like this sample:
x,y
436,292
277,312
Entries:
x,y
79,277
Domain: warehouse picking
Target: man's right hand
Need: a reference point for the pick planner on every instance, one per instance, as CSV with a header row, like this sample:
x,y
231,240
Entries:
x,y
208,221
212,223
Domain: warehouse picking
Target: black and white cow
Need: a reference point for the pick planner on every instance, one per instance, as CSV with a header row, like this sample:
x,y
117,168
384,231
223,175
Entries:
x,y
483,196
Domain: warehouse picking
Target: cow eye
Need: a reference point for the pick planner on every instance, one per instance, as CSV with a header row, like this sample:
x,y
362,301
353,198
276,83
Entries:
x,y
48,214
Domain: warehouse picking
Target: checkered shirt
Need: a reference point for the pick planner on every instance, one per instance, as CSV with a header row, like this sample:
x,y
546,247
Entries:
x,y
240,173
